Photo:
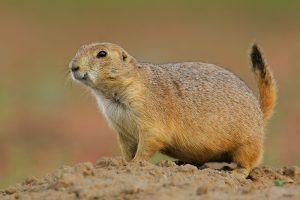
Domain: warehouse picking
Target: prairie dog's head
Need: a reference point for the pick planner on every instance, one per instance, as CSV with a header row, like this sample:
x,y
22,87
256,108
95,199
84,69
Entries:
x,y
101,64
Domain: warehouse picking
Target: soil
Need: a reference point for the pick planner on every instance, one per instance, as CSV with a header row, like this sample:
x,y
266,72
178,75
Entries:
x,y
113,178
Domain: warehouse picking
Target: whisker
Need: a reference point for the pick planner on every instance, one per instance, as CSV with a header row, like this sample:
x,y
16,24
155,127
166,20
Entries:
x,y
67,73
67,79
68,82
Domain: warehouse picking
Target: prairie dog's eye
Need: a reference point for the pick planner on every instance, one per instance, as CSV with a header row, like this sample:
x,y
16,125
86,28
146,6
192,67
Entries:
x,y
101,54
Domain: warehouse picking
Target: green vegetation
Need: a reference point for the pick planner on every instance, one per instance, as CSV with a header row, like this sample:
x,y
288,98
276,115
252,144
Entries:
x,y
279,183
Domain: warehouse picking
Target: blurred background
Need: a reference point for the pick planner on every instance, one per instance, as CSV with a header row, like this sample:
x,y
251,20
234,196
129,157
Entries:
x,y
46,121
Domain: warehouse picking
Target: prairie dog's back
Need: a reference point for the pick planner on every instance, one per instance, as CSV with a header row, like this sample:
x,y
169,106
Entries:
x,y
202,90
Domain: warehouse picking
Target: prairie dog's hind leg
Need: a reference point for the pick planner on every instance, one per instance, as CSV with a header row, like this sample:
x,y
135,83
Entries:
x,y
246,157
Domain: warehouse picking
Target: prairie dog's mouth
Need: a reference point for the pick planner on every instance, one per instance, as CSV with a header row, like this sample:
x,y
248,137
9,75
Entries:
x,y
80,76
83,77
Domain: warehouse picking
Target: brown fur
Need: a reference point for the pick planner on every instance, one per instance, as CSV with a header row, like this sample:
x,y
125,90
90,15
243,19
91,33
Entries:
x,y
192,111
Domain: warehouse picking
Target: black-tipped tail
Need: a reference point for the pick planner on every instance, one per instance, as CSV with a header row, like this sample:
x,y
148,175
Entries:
x,y
266,82
257,60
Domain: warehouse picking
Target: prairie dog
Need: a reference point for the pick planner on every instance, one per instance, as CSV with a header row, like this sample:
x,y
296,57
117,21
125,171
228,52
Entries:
x,y
193,111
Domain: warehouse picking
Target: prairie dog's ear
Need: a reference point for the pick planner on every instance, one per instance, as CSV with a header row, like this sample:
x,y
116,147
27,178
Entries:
x,y
124,55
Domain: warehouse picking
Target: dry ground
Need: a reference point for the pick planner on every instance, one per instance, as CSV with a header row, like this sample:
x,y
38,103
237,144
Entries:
x,y
113,178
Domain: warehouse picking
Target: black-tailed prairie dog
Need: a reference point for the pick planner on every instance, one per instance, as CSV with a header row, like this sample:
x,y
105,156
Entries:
x,y
192,111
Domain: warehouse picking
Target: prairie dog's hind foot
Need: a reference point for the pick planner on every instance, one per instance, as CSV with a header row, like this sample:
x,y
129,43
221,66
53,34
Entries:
x,y
241,172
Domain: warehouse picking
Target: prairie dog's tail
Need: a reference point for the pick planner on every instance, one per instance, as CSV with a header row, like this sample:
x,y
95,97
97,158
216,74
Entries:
x,y
266,82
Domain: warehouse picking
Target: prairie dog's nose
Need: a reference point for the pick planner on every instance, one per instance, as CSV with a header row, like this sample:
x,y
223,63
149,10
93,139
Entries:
x,y
74,67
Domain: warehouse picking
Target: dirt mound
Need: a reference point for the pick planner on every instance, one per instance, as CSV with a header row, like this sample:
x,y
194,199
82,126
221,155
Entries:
x,y
113,178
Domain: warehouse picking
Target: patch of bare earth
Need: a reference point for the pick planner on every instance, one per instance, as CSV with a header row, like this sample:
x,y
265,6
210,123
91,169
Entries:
x,y
113,178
